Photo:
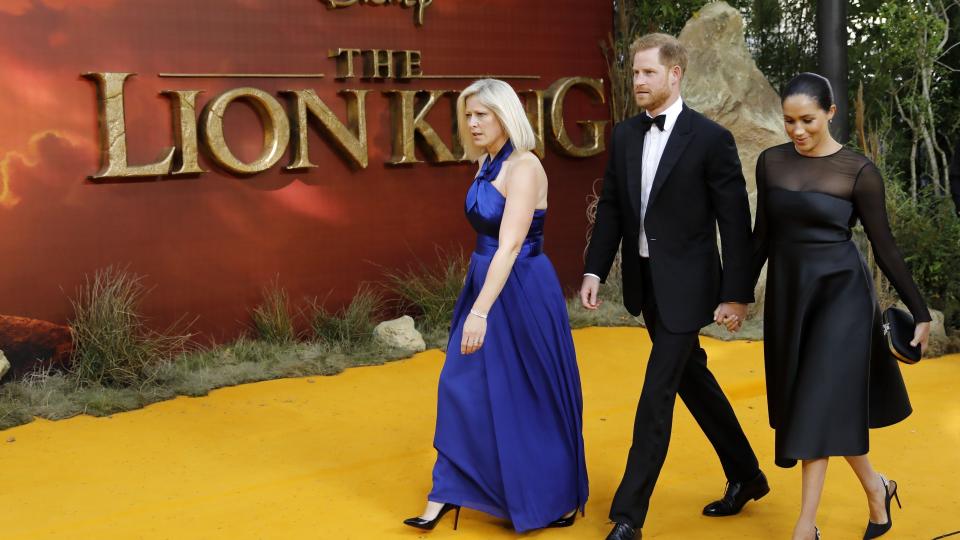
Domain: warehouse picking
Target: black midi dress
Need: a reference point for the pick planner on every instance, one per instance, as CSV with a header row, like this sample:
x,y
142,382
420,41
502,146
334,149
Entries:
x,y
829,376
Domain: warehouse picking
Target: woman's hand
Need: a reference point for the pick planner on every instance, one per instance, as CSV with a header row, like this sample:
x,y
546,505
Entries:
x,y
730,315
474,330
921,336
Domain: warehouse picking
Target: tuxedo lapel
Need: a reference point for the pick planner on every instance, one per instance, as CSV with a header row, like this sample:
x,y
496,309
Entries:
x,y
679,137
634,148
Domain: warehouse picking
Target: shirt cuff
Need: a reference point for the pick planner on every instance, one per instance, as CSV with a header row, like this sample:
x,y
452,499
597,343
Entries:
x,y
594,275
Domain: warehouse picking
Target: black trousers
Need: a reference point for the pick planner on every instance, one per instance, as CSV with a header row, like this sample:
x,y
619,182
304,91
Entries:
x,y
677,365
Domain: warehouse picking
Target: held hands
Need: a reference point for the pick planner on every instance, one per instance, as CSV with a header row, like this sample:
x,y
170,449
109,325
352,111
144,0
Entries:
x,y
589,290
730,315
474,330
921,336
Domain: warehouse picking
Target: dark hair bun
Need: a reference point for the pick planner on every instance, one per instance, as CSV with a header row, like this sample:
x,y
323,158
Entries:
x,y
817,87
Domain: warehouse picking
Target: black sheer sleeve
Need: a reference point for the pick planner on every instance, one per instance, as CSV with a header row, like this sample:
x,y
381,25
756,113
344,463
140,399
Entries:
x,y
760,239
870,203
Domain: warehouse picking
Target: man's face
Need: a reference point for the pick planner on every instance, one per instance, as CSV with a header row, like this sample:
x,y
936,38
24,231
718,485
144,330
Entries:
x,y
651,79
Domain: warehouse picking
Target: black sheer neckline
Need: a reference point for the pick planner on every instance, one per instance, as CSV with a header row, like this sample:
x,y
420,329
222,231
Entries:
x,y
794,148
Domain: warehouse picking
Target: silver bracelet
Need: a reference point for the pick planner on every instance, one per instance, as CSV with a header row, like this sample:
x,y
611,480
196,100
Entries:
x,y
478,314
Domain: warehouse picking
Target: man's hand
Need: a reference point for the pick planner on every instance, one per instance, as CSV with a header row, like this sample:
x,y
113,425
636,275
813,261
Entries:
x,y
589,290
731,315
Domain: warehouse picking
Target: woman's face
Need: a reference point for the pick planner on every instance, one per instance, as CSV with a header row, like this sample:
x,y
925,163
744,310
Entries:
x,y
485,128
806,123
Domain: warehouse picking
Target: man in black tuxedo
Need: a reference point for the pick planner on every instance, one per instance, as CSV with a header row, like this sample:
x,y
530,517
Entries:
x,y
672,176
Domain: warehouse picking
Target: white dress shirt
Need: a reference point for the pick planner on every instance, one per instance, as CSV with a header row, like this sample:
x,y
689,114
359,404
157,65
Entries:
x,y
653,144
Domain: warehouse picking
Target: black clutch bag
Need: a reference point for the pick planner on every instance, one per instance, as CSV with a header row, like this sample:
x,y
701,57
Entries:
x,y
898,328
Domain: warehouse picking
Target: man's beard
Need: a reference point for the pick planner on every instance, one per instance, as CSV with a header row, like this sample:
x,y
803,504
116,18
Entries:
x,y
655,99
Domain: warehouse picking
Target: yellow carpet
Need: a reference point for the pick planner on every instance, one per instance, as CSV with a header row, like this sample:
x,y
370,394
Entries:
x,y
348,457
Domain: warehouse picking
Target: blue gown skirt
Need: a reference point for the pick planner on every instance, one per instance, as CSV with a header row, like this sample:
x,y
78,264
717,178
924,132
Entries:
x,y
509,422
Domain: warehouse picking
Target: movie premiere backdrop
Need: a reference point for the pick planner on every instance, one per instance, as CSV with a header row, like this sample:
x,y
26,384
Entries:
x,y
215,145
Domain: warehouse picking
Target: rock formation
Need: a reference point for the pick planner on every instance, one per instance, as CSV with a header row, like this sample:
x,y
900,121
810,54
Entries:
x,y
4,365
30,344
400,334
724,83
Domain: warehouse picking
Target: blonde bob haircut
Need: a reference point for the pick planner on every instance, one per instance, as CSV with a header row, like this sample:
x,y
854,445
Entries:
x,y
500,98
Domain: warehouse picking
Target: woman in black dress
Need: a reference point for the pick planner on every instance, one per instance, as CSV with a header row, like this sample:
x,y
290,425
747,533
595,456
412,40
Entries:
x,y
829,375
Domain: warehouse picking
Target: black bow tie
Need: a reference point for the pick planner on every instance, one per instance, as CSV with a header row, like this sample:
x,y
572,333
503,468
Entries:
x,y
646,122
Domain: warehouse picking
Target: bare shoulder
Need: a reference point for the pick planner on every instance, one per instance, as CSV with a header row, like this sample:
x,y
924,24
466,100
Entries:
x,y
527,166
527,180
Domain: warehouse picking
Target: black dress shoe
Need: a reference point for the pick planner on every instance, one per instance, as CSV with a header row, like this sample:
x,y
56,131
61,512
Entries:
x,y
622,531
737,495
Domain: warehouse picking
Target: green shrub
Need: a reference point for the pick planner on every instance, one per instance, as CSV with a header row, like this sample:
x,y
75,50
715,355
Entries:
x,y
273,319
429,291
928,234
112,344
352,325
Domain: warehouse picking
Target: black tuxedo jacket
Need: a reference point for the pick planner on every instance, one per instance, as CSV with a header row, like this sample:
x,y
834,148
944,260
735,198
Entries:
x,y
698,185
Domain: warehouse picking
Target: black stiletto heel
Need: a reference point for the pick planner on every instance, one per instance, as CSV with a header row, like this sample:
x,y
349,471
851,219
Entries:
x,y
817,530
878,529
428,525
564,521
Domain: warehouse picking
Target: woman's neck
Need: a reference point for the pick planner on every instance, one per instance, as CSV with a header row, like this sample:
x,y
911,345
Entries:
x,y
825,148
497,145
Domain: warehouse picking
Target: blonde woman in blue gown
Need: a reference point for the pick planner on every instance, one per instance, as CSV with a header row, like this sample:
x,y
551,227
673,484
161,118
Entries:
x,y
509,430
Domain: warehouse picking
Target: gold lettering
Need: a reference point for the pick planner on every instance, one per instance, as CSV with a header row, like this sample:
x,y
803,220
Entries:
x,y
592,129
276,130
418,14
350,141
534,107
378,64
411,132
183,109
410,65
422,6
113,132
344,61
407,124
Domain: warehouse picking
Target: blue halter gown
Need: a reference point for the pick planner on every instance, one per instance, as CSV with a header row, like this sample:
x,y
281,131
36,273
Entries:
x,y
509,433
